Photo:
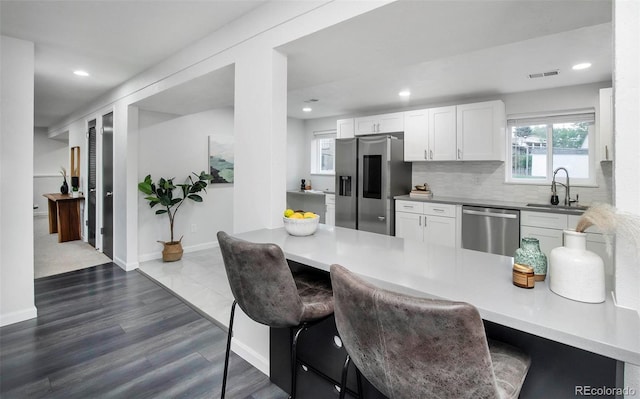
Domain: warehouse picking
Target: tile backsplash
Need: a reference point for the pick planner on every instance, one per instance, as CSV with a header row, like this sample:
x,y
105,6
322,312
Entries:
x,y
485,180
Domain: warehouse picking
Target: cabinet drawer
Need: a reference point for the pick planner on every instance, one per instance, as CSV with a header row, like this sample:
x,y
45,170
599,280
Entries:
x,y
435,209
409,206
541,219
321,348
329,199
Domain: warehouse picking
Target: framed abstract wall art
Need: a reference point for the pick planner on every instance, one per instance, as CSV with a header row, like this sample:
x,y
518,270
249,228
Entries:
x,y
221,159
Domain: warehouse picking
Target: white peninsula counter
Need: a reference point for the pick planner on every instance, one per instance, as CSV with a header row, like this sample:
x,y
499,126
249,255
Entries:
x,y
481,279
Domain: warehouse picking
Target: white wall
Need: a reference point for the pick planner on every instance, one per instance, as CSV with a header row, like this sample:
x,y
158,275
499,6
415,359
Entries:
x,y
48,156
296,154
16,170
175,148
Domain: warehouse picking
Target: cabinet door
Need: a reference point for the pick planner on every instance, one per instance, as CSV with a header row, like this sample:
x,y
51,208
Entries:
x,y
391,123
548,238
605,125
442,133
409,226
597,243
330,215
385,123
481,131
366,125
440,230
416,135
345,128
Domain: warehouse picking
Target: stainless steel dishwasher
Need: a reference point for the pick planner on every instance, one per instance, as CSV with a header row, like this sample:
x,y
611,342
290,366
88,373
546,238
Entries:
x,y
493,230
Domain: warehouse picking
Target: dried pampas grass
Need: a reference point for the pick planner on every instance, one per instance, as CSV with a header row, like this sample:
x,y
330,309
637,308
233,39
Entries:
x,y
606,218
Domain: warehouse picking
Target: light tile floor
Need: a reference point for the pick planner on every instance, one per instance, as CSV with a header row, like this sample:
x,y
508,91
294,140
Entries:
x,y
199,278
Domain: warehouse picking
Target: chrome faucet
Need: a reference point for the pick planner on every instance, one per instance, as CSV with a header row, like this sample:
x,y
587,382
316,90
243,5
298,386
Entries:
x,y
567,189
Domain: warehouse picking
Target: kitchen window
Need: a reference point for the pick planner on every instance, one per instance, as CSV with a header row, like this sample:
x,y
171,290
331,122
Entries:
x,y
539,145
323,149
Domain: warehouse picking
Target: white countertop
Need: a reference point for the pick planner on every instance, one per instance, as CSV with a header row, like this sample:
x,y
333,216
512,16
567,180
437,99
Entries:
x,y
481,279
492,204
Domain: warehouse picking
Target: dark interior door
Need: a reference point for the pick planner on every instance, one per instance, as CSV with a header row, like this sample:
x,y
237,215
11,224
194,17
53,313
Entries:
x,y
91,185
107,184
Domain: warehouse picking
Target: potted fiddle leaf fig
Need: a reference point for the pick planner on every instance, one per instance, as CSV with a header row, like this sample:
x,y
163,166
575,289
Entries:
x,y
162,194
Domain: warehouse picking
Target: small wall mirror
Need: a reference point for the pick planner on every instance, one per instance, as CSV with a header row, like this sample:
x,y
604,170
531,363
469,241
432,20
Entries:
x,y
75,166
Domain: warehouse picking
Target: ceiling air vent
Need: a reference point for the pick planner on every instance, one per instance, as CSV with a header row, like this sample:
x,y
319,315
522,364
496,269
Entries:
x,y
543,74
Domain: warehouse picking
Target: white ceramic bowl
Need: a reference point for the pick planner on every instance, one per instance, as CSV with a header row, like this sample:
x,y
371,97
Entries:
x,y
301,227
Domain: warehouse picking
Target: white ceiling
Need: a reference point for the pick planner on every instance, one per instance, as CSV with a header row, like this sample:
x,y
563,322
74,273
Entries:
x,y
440,50
447,50
113,40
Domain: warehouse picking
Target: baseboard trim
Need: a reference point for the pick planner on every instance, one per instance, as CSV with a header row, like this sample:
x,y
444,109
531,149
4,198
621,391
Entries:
x,y
251,356
127,267
17,317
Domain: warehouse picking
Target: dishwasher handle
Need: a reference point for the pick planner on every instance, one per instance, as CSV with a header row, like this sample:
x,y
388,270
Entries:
x,y
491,214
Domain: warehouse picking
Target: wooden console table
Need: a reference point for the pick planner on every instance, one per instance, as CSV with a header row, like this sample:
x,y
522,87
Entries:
x,y
64,216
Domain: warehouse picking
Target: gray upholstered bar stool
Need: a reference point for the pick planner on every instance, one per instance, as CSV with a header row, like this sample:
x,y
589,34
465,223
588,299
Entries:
x,y
410,347
266,290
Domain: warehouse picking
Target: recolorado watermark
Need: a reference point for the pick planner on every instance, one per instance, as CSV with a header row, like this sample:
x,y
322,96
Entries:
x,y
588,390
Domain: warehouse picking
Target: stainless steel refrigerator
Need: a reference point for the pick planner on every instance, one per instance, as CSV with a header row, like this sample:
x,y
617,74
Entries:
x,y
370,172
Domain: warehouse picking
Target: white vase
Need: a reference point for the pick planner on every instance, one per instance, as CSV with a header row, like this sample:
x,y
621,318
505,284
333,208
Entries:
x,y
574,272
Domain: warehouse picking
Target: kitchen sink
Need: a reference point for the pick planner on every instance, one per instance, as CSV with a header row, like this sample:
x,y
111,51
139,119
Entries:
x,y
564,207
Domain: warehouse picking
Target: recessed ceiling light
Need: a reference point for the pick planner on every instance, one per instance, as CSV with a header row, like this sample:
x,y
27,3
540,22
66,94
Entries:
x,y
81,73
306,109
580,66
404,93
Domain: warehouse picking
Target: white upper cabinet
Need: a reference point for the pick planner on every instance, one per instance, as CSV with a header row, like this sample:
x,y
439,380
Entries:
x,y
605,125
345,128
442,134
469,132
416,140
430,134
386,123
481,131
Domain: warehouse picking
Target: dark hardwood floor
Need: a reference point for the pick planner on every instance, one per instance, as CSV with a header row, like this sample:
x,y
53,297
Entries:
x,y
102,332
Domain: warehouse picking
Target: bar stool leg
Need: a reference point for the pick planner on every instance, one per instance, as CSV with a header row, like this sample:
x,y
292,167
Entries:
x,y
294,358
226,357
343,381
359,379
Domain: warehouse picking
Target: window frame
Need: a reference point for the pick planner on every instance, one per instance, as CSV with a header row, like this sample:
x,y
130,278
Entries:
x,y
548,119
316,153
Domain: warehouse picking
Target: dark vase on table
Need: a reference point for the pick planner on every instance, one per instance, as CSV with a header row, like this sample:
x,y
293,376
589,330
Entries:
x,y
64,189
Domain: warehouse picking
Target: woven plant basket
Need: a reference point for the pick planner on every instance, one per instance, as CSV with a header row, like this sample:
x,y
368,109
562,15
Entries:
x,y
172,251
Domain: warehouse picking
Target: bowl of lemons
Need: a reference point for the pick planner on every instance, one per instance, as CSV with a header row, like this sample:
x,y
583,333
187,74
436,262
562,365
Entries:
x,y
300,223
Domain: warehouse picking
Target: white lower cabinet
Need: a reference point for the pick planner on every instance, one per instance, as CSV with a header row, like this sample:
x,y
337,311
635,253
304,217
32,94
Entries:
x,y
426,222
330,209
548,227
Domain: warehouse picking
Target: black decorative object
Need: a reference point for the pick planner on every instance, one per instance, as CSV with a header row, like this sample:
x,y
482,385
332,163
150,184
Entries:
x,y
75,181
64,189
302,184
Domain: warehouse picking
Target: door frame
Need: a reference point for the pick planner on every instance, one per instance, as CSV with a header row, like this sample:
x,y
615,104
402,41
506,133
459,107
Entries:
x,y
85,166
101,180
97,116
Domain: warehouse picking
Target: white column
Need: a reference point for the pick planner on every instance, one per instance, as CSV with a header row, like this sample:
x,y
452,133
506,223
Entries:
x,y
626,164
16,182
260,168
260,139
